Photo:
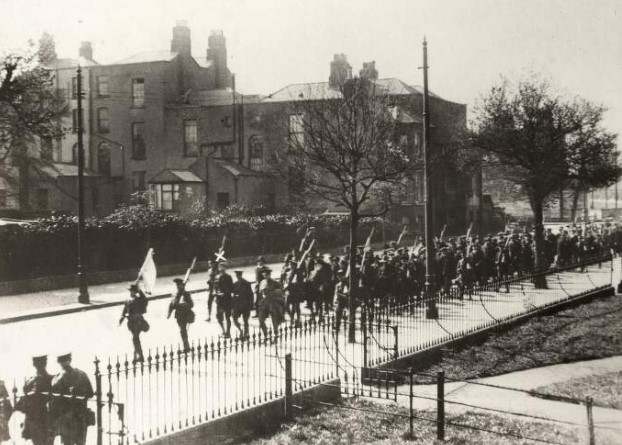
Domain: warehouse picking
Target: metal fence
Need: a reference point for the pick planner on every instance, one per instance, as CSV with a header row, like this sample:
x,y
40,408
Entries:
x,y
175,389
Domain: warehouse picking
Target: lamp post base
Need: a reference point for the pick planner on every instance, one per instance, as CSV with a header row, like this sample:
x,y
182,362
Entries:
x,y
83,291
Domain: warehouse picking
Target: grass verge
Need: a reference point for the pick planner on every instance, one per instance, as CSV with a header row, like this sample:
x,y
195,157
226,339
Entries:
x,y
364,422
605,389
589,331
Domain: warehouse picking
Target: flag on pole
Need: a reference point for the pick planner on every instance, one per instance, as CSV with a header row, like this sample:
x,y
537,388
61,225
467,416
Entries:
x,y
220,255
399,238
148,272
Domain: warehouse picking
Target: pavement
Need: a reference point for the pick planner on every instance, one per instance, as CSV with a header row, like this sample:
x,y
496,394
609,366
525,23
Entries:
x,y
34,305
607,421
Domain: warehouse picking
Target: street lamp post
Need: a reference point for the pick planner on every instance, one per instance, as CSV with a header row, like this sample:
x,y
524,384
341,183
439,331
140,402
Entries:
x,y
430,294
83,295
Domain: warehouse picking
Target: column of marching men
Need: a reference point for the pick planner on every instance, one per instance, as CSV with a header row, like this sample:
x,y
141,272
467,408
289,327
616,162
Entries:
x,y
319,283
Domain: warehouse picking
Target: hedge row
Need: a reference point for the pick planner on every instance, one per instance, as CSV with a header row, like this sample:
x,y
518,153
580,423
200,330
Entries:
x,y
119,241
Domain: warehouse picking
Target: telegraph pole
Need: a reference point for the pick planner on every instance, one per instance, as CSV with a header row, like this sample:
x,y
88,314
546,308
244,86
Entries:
x,y
83,292
430,294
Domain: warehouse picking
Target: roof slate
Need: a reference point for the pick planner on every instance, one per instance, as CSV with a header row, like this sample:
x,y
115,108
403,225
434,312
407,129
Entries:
x,y
148,57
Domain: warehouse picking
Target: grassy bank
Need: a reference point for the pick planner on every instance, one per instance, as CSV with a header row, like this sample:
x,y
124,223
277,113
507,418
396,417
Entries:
x,y
362,422
589,331
605,389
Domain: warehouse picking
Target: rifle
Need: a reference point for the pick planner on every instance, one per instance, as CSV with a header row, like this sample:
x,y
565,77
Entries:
x,y
443,232
399,238
190,269
220,255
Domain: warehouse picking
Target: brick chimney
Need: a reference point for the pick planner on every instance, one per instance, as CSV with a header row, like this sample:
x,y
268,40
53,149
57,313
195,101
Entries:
x,y
86,50
217,53
369,71
340,71
181,43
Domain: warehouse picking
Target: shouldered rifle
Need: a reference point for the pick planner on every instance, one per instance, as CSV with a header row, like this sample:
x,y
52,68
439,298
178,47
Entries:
x,y
190,270
220,255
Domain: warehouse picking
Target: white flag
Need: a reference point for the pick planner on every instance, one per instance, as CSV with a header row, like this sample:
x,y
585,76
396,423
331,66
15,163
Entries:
x,y
148,272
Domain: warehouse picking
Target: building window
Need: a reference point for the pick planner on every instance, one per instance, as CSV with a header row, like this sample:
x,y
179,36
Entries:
x,y
74,120
47,149
138,92
138,141
102,86
138,181
74,154
103,122
419,187
95,198
296,131
3,195
165,196
191,143
222,200
74,87
256,153
41,199
103,158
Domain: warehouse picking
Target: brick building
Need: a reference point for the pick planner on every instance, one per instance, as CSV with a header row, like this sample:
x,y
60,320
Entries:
x,y
175,125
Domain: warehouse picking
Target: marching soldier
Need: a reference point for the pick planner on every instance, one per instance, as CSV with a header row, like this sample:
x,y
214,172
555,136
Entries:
x,y
134,310
212,271
70,414
341,295
182,305
241,302
271,303
261,264
223,287
34,404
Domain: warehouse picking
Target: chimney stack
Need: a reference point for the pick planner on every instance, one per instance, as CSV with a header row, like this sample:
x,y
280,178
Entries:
x,y
340,71
86,50
369,71
181,43
217,53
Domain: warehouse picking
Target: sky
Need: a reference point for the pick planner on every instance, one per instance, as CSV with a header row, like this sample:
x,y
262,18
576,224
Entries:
x,y
272,43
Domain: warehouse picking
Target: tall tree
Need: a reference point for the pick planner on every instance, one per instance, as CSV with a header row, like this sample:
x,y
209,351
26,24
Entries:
x,y
342,148
30,112
47,49
542,141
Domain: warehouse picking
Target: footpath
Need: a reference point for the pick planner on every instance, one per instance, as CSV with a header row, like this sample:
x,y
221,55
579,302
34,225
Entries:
x,y
29,306
518,401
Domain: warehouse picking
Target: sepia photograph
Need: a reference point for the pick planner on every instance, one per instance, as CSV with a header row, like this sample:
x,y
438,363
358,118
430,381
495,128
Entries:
x,y
310,222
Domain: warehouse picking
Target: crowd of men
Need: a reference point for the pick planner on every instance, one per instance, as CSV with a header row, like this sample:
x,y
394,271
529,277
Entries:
x,y
394,276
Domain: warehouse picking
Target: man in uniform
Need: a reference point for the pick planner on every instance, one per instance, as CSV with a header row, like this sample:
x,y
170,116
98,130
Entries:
x,y
34,404
261,264
134,310
271,303
241,302
341,295
223,287
212,271
182,305
70,414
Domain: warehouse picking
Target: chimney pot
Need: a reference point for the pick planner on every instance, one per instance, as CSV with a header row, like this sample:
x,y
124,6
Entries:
x,y
86,50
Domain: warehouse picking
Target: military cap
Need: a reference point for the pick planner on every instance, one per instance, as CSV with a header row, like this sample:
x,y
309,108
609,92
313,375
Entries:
x,y
64,357
39,359
238,272
266,269
178,281
133,286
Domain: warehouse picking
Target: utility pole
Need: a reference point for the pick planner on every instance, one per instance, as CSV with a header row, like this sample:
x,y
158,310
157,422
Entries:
x,y
430,294
83,295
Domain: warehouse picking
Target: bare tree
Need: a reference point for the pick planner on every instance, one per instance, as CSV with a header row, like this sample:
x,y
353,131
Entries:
x,y
542,141
30,112
341,147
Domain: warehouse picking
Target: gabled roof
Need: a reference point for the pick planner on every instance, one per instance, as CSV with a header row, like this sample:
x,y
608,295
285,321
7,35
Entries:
x,y
172,176
235,169
148,57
